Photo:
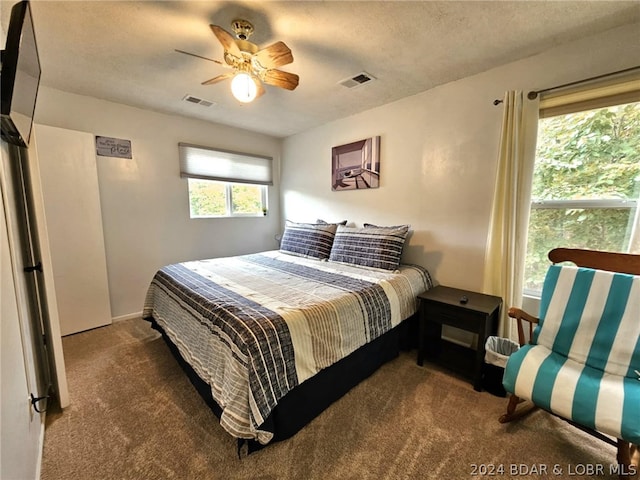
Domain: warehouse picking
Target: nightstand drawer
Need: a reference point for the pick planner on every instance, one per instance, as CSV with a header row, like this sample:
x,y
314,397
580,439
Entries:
x,y
454,317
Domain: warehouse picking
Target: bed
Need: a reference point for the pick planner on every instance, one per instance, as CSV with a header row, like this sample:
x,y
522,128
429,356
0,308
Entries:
x,y
272,339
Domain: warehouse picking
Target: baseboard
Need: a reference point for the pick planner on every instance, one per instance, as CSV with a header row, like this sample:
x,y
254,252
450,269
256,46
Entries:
x,y
128,316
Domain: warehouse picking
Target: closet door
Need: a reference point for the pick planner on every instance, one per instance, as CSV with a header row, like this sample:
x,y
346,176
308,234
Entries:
x,y
68,184
22,431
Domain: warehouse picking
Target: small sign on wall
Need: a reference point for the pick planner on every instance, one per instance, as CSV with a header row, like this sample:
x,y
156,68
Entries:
x,y
113,147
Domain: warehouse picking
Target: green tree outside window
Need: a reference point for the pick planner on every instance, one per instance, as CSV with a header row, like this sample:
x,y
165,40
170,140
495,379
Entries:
x,y
222,199
592,159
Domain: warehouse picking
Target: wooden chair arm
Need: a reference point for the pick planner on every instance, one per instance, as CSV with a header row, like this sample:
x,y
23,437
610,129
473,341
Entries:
x,y
521,315
610,261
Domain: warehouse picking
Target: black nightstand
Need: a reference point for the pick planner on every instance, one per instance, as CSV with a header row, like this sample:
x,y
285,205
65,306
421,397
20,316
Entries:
x,y
470,311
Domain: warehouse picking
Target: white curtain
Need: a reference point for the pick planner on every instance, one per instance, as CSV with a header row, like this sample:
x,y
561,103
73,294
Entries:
x,y
507,239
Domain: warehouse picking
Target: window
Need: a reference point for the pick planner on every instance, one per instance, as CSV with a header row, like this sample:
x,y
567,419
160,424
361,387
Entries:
x,y
586,185
209,198
223,183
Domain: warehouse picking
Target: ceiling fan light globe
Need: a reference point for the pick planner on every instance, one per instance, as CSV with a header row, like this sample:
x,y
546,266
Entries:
x,y
244,88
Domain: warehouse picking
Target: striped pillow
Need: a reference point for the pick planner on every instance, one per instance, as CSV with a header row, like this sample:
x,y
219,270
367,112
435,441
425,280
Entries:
x,y
323,222
371,225
369,247
308,239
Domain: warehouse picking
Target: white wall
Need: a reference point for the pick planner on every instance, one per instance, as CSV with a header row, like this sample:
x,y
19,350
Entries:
x,y
438,153
438,156
145,207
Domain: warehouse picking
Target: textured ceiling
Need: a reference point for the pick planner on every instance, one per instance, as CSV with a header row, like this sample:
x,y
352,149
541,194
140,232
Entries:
x,y
124,51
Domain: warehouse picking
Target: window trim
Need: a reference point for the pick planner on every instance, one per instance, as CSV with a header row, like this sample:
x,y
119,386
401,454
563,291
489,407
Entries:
x,y
589,203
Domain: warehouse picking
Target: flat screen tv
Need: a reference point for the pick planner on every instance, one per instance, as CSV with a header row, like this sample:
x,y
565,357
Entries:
x,y
20,76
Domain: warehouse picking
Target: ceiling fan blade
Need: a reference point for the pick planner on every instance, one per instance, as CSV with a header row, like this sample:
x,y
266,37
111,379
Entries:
x,y
227,40
281,79
274,56
260,91
199,56
217,79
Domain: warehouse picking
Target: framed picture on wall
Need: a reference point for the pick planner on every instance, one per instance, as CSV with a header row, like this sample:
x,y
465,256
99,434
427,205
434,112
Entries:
x,y
356,165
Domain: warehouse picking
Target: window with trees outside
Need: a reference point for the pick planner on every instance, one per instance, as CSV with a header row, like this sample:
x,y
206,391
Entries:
x,y
586,186
223,183
209,198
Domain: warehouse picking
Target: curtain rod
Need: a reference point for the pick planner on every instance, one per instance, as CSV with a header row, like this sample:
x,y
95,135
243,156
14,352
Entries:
x,y
534,93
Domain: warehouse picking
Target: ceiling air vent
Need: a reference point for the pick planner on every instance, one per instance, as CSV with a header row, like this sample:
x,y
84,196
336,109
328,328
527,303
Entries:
x,y
357,80
198,101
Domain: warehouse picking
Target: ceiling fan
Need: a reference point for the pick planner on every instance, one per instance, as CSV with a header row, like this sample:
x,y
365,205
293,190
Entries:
x,y
252,66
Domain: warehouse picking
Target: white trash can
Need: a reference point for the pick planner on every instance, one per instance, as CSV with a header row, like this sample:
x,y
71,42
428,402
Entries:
x,y
497,353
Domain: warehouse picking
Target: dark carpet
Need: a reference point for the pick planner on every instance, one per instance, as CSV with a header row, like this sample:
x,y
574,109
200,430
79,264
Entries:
x,y
135,415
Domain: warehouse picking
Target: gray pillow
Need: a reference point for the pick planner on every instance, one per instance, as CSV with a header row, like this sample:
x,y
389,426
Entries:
x,y
308,239
369,247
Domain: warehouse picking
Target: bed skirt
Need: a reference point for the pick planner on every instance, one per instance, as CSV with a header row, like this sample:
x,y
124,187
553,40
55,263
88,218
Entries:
x,y
306,401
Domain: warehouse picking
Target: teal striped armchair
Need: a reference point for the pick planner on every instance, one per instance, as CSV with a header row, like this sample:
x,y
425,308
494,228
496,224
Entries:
x,y
582,362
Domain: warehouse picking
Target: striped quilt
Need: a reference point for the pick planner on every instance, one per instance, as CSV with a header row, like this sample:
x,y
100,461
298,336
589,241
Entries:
x,y
255,326
584,359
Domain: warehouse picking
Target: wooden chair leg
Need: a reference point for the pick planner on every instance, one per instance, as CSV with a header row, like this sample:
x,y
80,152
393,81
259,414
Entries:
x,y
628,457
512,412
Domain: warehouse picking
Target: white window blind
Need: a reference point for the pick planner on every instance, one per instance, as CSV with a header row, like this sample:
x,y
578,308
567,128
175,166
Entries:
x,y
223,165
